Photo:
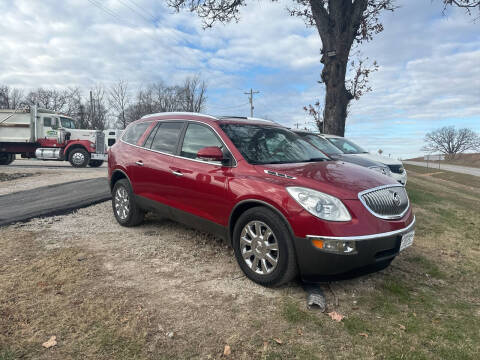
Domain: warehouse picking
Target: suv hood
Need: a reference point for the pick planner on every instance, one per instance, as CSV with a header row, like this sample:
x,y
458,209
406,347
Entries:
x,y
382,159
336,178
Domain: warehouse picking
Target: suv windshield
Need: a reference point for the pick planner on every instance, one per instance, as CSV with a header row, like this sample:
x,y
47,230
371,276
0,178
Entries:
x,y
67,123
322,144
263,144
347,146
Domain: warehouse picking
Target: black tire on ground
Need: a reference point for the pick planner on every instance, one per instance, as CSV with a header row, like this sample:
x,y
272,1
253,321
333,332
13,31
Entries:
x,y
79,157
6,158
95,163
286,266
122,195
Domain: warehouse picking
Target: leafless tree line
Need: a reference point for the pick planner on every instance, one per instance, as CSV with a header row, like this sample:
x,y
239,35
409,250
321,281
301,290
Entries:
x,y
451,141
113,106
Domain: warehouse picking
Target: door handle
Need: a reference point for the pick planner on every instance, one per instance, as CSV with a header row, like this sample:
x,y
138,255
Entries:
x,y
177,173
139,163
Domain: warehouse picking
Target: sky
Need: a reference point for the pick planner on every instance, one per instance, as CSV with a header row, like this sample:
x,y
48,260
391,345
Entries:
x,y
428,76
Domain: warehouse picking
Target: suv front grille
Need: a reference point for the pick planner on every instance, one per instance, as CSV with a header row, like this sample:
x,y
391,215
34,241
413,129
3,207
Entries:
x,y
397,169
386,202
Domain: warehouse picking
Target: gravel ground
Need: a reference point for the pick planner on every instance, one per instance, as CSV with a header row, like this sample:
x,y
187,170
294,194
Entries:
x,y
37,174
189,278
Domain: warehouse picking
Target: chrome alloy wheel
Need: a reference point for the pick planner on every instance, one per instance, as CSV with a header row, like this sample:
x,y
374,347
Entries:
x,y
78,158
259,247
122,204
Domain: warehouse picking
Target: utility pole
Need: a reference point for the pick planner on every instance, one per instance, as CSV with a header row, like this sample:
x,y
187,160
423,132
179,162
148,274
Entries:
x,y
250,98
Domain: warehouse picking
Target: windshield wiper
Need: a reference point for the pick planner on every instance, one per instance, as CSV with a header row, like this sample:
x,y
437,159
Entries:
x,y
317,159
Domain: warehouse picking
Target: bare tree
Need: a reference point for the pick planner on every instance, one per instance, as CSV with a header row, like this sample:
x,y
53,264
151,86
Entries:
x,y
51,99
340,24
316,113
11,98
158,97
119,99
468,5
450,141
194,94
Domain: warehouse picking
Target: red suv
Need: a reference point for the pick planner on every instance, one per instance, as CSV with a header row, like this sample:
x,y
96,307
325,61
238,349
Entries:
x,y
283,205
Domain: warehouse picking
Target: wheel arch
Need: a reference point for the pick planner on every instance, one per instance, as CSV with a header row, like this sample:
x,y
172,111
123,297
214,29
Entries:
x,y
118,174
69,149
243,206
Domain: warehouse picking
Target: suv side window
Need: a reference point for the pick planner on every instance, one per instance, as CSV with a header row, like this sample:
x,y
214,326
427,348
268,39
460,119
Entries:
x,y
135,132
166,138
197,137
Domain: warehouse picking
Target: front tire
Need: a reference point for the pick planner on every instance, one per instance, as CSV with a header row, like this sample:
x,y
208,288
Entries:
x,y
124,207
264,248
6,158
95,163
79,157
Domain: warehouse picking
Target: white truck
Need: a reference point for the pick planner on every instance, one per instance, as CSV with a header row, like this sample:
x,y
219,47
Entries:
x,y
47,135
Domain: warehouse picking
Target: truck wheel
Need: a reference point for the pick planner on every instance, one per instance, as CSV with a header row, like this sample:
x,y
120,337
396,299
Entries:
x,y
6,158
264,248
95,163
79,157
125,209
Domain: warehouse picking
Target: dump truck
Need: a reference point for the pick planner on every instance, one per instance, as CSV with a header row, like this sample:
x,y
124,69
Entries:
x,y
47,135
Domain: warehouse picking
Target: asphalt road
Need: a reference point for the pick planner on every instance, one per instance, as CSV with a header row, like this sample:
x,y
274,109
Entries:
x,y
448,167
52,200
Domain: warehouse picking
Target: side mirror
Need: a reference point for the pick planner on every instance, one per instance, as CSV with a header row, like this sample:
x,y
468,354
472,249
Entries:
x,y
210,153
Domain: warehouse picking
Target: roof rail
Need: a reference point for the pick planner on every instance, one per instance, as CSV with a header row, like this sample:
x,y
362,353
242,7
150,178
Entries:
x,y
244,118
177,113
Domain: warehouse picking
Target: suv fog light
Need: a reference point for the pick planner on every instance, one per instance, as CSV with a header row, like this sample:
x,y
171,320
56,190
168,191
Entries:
x,y
335,246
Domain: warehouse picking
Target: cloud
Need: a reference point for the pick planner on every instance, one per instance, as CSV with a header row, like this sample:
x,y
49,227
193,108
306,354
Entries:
x,y
429,72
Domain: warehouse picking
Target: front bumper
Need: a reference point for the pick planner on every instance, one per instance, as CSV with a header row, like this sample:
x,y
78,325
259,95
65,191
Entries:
x,y
371,252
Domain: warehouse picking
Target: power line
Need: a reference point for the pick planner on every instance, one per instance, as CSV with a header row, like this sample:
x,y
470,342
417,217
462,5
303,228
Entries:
x,y
121,21
250,98
134,10
147,12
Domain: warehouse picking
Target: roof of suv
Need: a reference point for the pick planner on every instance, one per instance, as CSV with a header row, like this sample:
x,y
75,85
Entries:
x,y
229,119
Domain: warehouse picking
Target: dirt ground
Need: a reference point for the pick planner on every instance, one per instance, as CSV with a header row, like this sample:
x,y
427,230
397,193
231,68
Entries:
x,y
163,291
30,174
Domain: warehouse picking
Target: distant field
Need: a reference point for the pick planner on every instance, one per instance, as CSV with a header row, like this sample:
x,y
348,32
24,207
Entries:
x,y
472,160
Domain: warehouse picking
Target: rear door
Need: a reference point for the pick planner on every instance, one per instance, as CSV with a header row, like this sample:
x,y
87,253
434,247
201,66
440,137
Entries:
x,y
154,179
200,186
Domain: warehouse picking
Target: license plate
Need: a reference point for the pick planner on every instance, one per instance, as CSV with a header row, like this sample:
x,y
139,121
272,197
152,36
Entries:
x,y
407,240
95,156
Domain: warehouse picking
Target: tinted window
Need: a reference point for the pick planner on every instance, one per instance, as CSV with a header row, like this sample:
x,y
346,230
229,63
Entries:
x,y
166,138
149,139
135,132
47,122
196,138
260,144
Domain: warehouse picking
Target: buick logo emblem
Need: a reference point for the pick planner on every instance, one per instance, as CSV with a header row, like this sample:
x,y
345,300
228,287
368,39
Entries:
x,y
396,199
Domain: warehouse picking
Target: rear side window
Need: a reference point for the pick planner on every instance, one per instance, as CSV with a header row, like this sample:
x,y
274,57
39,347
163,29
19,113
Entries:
x,y
166,138
196,138
135,132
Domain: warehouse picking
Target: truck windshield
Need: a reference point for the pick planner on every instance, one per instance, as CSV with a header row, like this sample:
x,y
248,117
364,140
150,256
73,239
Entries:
x,y
263,144
67,123
347,146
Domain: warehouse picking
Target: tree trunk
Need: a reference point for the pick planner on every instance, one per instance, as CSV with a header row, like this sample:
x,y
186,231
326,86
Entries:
x,y
337,97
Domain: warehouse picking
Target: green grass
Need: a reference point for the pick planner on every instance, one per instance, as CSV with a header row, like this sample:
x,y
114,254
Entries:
x,y
428,266
6,354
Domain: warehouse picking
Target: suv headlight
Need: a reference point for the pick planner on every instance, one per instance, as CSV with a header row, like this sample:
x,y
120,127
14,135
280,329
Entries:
x,y
319,204
381,169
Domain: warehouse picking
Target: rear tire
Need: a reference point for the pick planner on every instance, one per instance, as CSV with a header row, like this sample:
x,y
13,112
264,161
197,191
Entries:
x,y
95,163
6,158
124,207
263,247
79,157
